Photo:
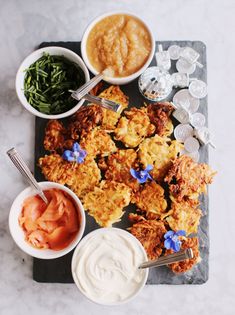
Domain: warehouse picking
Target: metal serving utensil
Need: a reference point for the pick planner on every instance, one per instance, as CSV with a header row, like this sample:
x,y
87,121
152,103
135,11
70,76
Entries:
x,y
83,91
169,259
100,101
103,102
25,171
87,87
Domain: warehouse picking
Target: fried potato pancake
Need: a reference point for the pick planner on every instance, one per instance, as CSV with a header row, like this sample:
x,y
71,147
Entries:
x,y
187,179
115,94
97,142
84,120
159,116
117,167
133,128
169,128
150,233
187,264
54,136
185,215
55,168
81,178
159,152
150,199
106,202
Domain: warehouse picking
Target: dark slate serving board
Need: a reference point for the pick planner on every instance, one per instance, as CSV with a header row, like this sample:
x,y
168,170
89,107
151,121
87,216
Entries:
x,y
58,270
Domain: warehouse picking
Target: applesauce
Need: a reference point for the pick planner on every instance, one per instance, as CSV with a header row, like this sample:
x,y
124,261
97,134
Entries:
x,y
120,43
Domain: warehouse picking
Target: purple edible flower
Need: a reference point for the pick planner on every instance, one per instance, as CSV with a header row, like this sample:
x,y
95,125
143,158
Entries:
x,y
76,155
142,176
172,241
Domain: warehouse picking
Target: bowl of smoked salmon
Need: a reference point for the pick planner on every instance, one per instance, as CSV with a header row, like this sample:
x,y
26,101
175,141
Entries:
x,y
47,230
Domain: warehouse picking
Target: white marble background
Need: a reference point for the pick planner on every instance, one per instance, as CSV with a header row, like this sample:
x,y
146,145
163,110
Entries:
x,y
23,25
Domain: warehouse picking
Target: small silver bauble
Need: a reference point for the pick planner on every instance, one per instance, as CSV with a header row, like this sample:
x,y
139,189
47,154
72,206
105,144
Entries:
x,y
155,84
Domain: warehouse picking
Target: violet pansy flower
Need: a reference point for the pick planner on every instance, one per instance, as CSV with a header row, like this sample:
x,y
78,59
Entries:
x,y
142,176
172,241
75,155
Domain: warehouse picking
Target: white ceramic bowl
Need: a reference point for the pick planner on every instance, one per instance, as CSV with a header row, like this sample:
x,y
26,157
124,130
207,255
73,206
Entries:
x,y
19,83
17,232
122,80
85,244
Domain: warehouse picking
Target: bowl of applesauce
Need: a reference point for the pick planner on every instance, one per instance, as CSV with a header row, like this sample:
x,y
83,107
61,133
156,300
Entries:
x,y
120,44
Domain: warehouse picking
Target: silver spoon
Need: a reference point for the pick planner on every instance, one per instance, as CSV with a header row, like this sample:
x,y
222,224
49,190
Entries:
x,y
169,259
25,171
87,87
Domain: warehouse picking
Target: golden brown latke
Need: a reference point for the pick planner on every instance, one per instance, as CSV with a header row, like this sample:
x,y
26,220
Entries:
x,y
54,136
185,215
86,178
117,167
187,179
150,199
84,120
159,114
97,142
169,128
110,118
150,233
133,128
106,202
81,178
55,168
187,264
159,152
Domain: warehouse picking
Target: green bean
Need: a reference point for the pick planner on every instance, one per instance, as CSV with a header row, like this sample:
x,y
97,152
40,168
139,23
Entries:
x,y
47,82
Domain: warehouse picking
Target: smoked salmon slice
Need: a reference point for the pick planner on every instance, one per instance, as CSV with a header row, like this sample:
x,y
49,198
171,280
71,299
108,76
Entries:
x,y
53,225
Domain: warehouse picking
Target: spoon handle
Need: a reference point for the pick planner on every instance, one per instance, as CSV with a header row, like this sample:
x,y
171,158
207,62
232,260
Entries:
x,y
169,259
85,88
19,163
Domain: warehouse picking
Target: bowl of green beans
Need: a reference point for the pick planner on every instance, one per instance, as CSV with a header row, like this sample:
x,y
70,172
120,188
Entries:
x,y
45,78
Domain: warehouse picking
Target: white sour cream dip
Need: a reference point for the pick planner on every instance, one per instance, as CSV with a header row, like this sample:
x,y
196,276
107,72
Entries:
x,y
105,266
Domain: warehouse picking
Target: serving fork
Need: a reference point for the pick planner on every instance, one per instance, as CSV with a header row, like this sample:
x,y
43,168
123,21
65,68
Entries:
x,y
103,102
82,93
99,100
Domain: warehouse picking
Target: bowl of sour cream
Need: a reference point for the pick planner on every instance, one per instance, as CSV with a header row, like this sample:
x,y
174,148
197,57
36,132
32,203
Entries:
x,y
105,266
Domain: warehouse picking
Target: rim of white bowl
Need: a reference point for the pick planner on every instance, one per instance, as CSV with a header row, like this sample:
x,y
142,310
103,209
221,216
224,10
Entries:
x,y
84,240
31,58
117,80
18,234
